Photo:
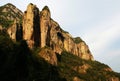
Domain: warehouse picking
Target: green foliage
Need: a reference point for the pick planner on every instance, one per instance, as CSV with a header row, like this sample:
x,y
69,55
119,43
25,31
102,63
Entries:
x,y
5,23
96,71
13,59
19,63
9,15
77,40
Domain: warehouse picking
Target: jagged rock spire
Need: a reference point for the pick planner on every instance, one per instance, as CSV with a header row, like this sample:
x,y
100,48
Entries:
x,y
31,26
46,8
45,26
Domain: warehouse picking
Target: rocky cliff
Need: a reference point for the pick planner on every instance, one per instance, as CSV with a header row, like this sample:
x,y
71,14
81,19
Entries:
x,y
53,54
15,31
11,20
9,13
31,26
39,29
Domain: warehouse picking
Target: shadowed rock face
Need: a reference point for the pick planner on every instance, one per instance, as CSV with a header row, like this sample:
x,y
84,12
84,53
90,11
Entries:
x,y
15,31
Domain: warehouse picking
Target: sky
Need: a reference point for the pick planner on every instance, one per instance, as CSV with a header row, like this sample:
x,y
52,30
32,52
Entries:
x,y
97,22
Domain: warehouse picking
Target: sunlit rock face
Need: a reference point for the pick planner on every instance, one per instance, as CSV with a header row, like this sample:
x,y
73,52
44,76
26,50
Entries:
x,y
45,26
53,36
31,27
48,55
46,32
40,30
12,31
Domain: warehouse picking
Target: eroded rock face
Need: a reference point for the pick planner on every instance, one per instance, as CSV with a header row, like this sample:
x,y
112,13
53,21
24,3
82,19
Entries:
x,y
56,38
45,26
113,79
12,31
31,28
82,69
0,27
48,55
40,30
15,31
77,79
61,40
11,12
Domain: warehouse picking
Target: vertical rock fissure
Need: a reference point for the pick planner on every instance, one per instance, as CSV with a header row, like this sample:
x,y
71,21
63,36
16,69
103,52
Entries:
x,y
36,28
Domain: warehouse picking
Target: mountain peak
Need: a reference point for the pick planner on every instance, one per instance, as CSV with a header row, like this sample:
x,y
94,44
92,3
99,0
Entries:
x,y
10,5
46,8
9,13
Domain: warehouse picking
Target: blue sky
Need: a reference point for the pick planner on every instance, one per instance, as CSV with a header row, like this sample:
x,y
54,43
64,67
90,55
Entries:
x,y
97,22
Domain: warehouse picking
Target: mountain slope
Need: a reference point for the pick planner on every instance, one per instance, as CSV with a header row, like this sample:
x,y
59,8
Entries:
x,y
40,30
38,49
9,13
77,69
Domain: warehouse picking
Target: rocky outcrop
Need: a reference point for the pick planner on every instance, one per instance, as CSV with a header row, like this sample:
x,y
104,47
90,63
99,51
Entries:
x,y
40,30
13,12
77,79
15,31
108,69
46,32
0,27
61,40
48,55
82,69
45,26
31,26
56,38
113,79
12,31
9,13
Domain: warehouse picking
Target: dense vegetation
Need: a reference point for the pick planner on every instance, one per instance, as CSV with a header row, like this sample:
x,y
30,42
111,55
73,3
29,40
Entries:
x,y
77,40
19,63
96,71
5,23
